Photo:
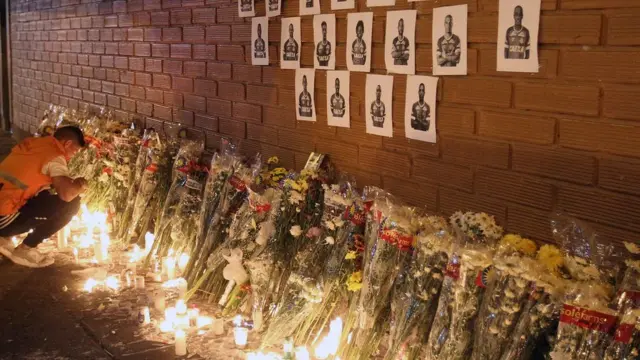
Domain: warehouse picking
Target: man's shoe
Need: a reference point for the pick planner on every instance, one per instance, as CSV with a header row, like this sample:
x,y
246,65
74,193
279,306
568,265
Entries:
x,y
6,246
29,257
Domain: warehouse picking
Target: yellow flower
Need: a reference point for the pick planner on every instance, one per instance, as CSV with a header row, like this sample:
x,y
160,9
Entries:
x,y
351,255
513,242
273,160
279,171
551,257
354,283
293,185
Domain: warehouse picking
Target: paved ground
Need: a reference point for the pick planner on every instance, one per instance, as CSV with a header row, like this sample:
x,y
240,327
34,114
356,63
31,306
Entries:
x,y
38,320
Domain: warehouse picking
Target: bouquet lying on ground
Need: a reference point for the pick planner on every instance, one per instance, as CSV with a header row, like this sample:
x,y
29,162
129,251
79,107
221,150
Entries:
x,y
466,277
586,320
417,289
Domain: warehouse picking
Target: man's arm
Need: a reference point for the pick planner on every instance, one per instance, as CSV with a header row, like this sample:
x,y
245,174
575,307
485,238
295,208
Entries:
x,y
506,45
414,114
441,59
527,45
405,53
68,188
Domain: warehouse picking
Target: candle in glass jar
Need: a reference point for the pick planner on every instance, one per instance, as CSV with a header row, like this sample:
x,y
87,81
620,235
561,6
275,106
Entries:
x,y
75,255
159,301
193,314
181,343
240,335
146,316
170,267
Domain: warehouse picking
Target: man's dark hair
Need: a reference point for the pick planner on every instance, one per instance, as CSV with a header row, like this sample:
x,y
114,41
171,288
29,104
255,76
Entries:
x,y
70,133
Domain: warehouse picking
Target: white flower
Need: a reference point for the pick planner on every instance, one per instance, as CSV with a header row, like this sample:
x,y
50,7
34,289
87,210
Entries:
x,y
296,230
330,225
104,177
330,240
267,229
338,222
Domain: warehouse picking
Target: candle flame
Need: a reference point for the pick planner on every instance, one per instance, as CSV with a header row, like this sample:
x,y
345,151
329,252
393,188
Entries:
x,y
237,321
90,284
166,326
302,353
329,345
112,283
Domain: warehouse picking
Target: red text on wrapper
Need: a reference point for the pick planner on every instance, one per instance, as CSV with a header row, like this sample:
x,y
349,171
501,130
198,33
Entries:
x,y
452,270
393,237
587,319
624,333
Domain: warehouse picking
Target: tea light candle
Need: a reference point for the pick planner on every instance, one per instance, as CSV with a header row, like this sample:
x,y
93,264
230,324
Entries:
x,y
241,335
139,282
218,326
181,343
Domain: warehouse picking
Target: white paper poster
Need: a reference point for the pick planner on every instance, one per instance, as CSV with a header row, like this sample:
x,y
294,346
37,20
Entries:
x,y
400,45
342,4
338,98
374,3
518,25
273,7
309,7
324,33
420,108
305,103
359,27
246,8
260,41
449,35
290,43
378,108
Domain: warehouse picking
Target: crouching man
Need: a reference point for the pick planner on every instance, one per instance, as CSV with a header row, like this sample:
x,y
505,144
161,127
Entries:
x,y
26,205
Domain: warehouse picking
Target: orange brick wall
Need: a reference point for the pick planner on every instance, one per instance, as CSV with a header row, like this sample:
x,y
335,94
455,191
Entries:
x,y
515,145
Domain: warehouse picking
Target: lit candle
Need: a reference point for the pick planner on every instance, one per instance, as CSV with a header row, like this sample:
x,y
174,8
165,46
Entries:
x,y
75,255
170,314
181,343
302,353
181,307
90,284
148,242
183,260
241,334
170,267
112,283
139,282
218,326
63,237
203,321
287,347
127,278
182,287
182,321
166,326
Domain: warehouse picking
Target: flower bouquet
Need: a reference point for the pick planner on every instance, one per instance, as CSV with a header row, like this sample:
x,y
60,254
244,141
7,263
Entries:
x,y
222,166
542,309
506,296
416,290
466,277
586,321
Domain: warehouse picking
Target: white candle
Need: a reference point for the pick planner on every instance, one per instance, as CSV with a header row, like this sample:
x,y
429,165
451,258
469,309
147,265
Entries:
x,y
302,353
148,242
182,288
182,321
241,334
166,326
75,255
202,321
181,343
147,315
170,314
181,307
218,326
170,267
183,260
63,237
139,282
193,316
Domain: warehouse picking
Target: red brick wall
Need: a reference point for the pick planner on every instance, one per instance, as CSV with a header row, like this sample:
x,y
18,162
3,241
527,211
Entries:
x,y
515,145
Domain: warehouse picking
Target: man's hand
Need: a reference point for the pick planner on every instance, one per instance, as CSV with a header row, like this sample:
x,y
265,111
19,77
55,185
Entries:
x,y
68,188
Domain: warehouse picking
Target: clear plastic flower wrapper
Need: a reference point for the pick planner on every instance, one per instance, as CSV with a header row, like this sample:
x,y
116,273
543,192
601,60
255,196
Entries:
x,y
586,320
506,296
466,277
389,237
305,288
233,195
221,168
542,308
417,289
626,343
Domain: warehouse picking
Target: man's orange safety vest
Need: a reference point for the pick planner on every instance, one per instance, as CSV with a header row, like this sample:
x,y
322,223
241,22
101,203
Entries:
x,y
21,176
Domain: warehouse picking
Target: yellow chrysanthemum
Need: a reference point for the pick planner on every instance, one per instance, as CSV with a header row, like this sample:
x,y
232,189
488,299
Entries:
x,y
351,255
354,283
273,160
517,243
551,257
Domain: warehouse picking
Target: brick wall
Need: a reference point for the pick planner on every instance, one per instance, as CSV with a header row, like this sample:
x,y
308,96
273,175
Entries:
x,y
515,145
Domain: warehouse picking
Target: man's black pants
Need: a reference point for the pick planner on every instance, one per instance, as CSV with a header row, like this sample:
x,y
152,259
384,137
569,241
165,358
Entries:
x,y
45,213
